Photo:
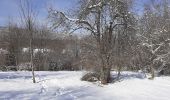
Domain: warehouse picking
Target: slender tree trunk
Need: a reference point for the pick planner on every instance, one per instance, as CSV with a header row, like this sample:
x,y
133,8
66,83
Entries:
x,y
152,72
28,18
119,70
31,60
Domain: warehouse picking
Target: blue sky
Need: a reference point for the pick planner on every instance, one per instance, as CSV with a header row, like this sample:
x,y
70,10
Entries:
x,y
10,9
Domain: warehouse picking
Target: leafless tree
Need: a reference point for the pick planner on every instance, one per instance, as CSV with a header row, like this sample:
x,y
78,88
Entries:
x,y
28,19
154,28
107,21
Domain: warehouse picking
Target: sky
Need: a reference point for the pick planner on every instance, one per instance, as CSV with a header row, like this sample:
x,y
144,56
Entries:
x,y
10,9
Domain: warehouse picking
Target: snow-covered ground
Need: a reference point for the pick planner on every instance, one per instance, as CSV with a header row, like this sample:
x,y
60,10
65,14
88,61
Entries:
x,y
65,85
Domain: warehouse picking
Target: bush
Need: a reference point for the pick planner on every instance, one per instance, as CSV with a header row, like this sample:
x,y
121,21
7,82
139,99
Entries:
x,y
3,68
91,77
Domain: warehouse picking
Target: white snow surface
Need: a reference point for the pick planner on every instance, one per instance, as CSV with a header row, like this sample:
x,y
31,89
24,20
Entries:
x,y
66,85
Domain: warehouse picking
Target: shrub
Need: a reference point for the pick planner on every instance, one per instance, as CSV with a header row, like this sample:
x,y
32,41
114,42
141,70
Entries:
x,y
91,77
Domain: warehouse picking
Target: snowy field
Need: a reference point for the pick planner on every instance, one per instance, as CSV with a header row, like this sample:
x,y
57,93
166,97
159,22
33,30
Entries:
x,y
66,85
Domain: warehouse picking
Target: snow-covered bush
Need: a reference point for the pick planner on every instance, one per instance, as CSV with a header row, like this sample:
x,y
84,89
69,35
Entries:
x,y
25,66
91,77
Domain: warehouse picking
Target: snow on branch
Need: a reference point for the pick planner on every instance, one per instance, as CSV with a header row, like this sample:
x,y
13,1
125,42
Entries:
x,y
63,15
95,6
160,45
150,46
147,45
161,57
77,21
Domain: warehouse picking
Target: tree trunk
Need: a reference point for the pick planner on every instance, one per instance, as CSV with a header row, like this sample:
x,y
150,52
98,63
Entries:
x,y
105,75
152,72
31,60
118,75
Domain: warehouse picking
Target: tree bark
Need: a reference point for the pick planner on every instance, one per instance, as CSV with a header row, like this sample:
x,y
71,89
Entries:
x,y
118,75
105,75
152,71
31,60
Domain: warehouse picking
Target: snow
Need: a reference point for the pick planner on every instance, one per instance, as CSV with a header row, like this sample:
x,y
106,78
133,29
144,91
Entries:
x,y
2,51
25,49
65,85
64,15
36,50
146,44
97,5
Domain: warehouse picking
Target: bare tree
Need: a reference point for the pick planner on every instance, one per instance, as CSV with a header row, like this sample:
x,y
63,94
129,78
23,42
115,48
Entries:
x,y
154,28
103,19
28,19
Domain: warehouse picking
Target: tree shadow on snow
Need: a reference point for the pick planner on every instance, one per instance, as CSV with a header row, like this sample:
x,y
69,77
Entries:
x,y
28,75
126,76
75,93
11,95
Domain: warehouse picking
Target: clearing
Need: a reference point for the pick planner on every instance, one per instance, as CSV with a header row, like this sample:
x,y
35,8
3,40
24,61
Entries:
x,y
66,85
